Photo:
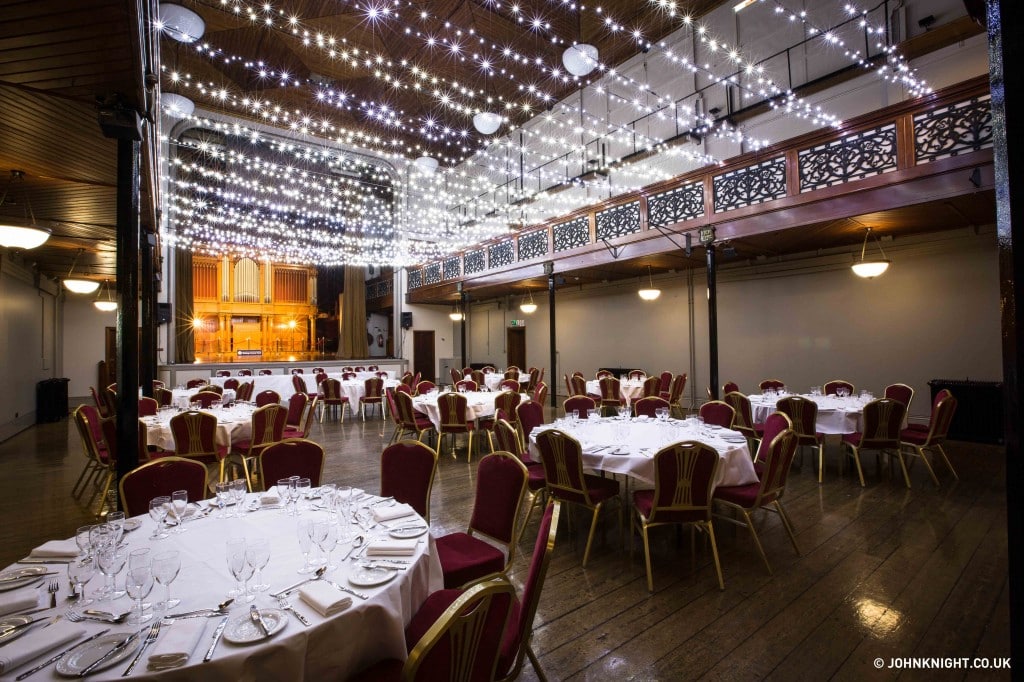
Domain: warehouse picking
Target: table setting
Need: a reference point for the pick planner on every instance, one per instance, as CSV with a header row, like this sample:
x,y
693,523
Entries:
x,y
478,404
629,389
837,414
234,422
299,582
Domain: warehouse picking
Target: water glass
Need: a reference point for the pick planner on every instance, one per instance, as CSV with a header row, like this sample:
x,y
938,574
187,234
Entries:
x,y
158,508
82,540
623,412
303,487
326,536
179,504
116,521
138,585
240,569
257,553
238,490
304,534
165,569
111,561
593,414
575,417
81,571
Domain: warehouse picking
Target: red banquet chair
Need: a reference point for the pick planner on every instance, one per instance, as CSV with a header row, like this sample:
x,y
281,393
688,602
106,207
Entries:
x,y
883,419
409,420
501,484
222,373
452,408
466,385
508,441
205,399
407,471
652,387
373,394
195,435
245,372
163,397
833,386
730,387
581,404
267,397
291,457
509,385
611,393
231,384
771,384
148,406
268,424
675,396
648,407
266,372
915,442
803,414
296,410
159,478
540,393
744,421
333,398
718,413
900,392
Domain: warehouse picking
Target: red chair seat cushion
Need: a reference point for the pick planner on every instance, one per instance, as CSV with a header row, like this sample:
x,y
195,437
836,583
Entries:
x,y
600,489
742,495
292,432
643,500
853,438
759,430
913,436
536,472
918,427
464,558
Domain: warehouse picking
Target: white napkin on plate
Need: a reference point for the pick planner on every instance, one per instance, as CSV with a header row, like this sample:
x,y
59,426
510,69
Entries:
x,y
270,497
56,549
177,644
389,513
18,600
38,642
325,599
392,548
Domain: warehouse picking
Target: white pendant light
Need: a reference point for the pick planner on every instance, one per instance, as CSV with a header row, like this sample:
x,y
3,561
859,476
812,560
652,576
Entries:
x,y
107,305
177,106
487,122
649,294
77,285
181,23
580,59
426,164
870,268
528,307
456,315
19,232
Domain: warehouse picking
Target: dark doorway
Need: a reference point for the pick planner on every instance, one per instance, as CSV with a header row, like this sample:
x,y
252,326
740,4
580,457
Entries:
x,y
423,354
515,347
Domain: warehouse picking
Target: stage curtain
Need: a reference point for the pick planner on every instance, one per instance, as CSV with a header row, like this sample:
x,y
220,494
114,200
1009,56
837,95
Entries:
x,y
352,344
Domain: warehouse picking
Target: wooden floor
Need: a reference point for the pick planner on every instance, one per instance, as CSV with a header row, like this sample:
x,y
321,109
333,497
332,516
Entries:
x,y
885,571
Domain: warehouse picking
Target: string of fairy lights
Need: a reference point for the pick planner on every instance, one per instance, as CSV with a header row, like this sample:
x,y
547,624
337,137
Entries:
x,y
245,192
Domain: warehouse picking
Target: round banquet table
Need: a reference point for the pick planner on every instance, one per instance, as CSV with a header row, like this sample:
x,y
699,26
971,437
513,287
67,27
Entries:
x,y
354,389
492,380
629,389
233,423
478,404
333,647
628,446
835,415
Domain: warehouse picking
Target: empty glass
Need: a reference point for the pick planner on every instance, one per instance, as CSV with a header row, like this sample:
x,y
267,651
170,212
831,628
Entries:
x,y
325,535
623,412
575,417
111,561
240,569
661,413
223,492
593,414
138,584
305,537
158,508
303,487
257,553
179,504
116,521
81,571
165,569
82,540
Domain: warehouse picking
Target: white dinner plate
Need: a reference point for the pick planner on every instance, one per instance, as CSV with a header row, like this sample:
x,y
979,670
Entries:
x,y
20,577
81,658
412,531
242,630
9,629
370,577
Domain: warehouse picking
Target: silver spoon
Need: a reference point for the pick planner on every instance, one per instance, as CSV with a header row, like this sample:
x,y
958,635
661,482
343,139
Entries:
x,y
357,541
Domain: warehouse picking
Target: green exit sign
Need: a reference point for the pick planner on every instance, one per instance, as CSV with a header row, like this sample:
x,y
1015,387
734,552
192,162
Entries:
x,y
517,323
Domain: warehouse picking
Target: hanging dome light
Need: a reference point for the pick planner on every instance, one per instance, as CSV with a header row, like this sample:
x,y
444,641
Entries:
x,y
869,268
528,306
177,106
487,122
426,164
107,305
20,232
580,59
181,23
76,284
649,294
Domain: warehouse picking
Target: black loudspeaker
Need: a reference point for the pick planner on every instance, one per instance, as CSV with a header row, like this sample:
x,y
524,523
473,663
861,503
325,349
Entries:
x,y
163,313
406,320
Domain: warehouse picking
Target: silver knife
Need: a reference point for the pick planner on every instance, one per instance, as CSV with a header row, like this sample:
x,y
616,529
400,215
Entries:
x,y
150,638
345,589
57,657
216,639
117,648
257,617
12,578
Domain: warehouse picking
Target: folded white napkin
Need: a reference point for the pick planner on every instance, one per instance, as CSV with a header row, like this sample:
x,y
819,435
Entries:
x,y
56,549
383,513
177,643
392,548
270,496
38,642
325,599
18,600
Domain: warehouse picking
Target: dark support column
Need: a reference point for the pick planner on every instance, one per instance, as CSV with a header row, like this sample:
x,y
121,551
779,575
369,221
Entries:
x,y
464,300
551,341
125,125
1007,87
147,286
712,322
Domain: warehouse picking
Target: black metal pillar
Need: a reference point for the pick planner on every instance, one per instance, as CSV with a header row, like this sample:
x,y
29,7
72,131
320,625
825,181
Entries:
x,y
1007,88
463,305
147,339
712,322
551,340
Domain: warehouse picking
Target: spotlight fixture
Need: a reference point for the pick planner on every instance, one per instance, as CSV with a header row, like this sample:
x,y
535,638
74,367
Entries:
x,y
77,285
528,306
107,305
870,268
20,232
651,293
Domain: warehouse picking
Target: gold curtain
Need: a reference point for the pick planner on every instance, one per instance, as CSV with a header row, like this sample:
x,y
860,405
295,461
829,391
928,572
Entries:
x,y
352,343
185,343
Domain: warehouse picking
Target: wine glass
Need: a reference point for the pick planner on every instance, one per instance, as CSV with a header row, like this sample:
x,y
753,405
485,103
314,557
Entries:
x,y
179,503
82,540
257,553
326,536
165,569
81,571
305,544
238,490
593,414
303,487
158,508
623,412
223,493
138,584
111,561
239,568
116,521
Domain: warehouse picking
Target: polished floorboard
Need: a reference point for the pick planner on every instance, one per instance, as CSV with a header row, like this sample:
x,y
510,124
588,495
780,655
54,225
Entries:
x,y
884,572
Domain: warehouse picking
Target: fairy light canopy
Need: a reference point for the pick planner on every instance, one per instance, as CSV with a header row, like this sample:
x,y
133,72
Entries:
x,y
410,131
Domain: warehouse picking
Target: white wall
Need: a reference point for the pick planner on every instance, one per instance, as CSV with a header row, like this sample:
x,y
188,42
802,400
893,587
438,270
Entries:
x,y
84,333
934,315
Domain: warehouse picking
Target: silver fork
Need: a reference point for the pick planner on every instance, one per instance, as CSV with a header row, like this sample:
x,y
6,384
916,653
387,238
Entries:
x,y
75,616
287,606
52,588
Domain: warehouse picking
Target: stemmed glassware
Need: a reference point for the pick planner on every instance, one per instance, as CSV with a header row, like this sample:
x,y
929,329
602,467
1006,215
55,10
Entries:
x,y
238,490
111,561
257,554
305,537
303,486
116,521
325,534
138,584
166,566
240,569
81,571
223,492
82,540
179,505
158,508
623,412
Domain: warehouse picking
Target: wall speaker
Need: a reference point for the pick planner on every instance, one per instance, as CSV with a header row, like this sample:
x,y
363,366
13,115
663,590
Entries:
x,y
163,313
406,320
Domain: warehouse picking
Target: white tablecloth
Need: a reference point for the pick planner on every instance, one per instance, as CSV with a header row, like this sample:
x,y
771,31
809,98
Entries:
x,y
478,404
331,648
282,383
233,423
492,380
835,415
639,439
630,389
355,389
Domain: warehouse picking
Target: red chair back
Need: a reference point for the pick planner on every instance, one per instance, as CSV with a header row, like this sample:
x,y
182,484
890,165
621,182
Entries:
x,y
652,386
407,471
205,398
109,429
101,405
562,457
509,385
611,393
678,386
777,463
245,372
478,377
403,388
602,373
268,397
268,424
776,423
665,385
231,384
508,401
730,387
718,413
773,384
466,385
223,373
455,375
87,419
832,386
194,433
292,457
540,393
296,370
424,387
161,478
803,414
244,391
647,407
744,420
406,412
530,415
195,383
373,390
636,374
265,372
296,408
579,385
883,420
345,376
900,392
583,404
452,407
500,487
684,480
163,397
299,384
507,438
148,406
317,370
